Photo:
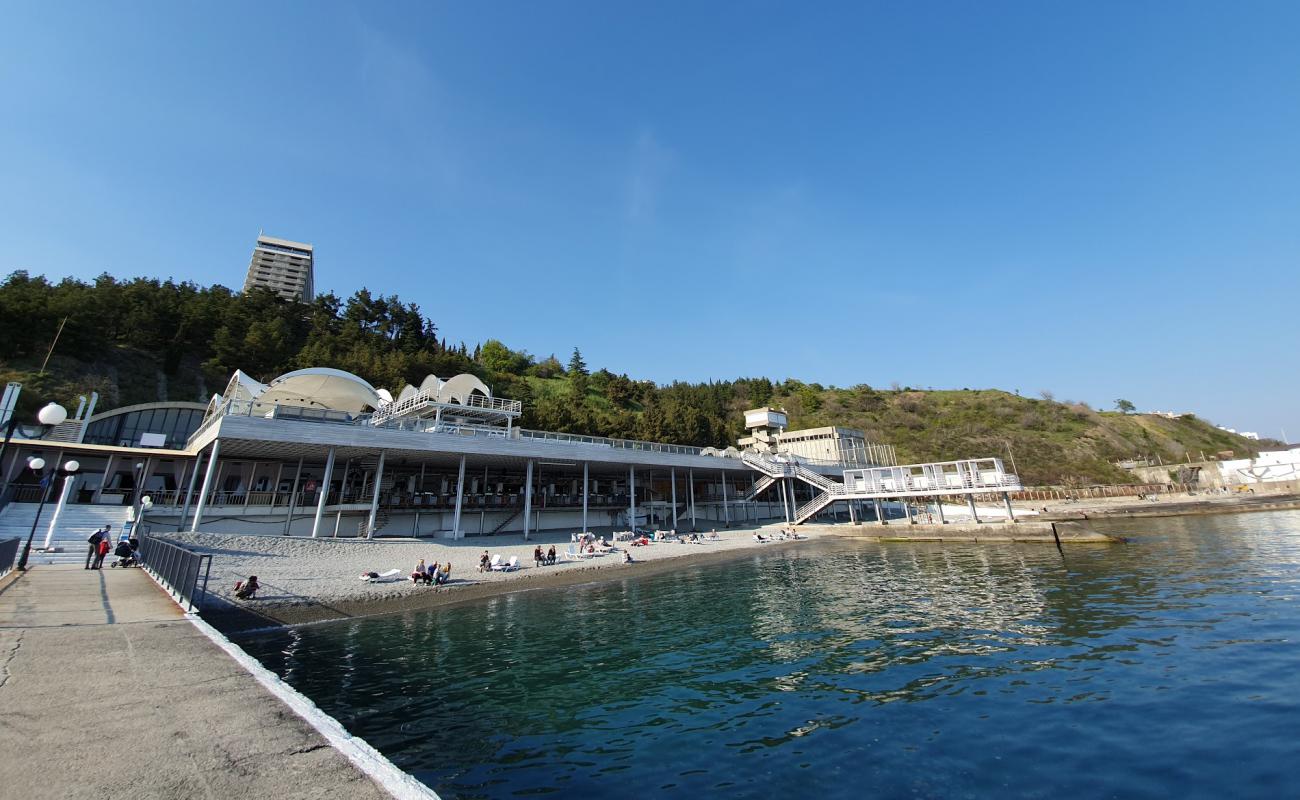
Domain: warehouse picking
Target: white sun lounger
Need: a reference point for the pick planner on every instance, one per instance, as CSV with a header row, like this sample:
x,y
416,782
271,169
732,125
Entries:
x,y
509,566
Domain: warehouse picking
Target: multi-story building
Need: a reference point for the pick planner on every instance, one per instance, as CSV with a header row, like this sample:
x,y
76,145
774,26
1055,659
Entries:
x,y
282,266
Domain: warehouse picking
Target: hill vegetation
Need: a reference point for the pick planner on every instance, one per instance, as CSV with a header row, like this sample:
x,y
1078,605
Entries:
x,y
143,340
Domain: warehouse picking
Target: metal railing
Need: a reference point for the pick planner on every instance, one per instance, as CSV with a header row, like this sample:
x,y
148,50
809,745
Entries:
x,y
8,555
184,573
602,441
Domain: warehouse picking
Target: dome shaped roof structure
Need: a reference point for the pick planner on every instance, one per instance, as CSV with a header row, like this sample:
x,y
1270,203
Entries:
x,y
321,387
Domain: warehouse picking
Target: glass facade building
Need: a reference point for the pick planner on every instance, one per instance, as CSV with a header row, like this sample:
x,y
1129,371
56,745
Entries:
x,y
175,421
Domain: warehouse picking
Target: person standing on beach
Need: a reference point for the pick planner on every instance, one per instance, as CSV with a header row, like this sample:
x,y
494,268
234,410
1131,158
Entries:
x,y
483,561
94,540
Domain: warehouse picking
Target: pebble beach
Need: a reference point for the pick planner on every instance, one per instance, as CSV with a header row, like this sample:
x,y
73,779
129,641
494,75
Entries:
x,y
308,580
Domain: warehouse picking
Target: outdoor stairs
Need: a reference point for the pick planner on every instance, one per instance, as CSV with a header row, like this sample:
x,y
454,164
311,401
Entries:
x,y
758,488
503,523
381,519
75,526
772,469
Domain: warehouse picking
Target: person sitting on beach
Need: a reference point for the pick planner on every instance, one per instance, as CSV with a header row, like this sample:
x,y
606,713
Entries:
x,y
538,558
419,573
550,555
247,590
430,574
627,556
444,575
484,562
758,537
591,548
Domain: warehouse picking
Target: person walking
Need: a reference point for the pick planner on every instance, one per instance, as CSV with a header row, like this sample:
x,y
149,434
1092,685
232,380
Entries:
x,y
94,540
101,550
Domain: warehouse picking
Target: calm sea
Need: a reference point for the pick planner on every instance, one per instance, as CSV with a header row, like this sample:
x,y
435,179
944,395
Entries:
x,y
1165,667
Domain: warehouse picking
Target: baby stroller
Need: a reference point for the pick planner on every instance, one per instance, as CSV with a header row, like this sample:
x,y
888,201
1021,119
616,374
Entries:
x,y
125,555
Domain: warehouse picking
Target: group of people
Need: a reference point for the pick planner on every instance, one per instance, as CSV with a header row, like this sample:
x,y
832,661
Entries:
x,y
435,575
101,544
543,559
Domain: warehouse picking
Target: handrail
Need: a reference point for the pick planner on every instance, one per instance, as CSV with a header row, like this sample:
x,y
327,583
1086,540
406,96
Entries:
x,y
177,569
8,555
474,401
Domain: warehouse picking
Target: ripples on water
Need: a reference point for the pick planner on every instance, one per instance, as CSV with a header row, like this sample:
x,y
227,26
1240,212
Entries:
x,y
1164,667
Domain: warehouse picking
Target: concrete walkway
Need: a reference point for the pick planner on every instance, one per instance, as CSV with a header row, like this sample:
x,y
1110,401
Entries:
x,y
106,691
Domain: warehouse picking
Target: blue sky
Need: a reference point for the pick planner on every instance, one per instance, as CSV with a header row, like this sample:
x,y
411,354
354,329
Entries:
x,y
1098,199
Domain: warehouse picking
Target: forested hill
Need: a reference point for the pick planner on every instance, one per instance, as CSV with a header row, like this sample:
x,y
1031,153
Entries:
x,y
143,340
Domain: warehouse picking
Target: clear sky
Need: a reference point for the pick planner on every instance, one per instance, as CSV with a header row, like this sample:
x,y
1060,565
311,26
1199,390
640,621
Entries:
x,y
1097,199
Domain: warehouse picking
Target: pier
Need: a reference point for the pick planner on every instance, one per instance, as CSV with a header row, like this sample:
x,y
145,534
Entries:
x,y
107,690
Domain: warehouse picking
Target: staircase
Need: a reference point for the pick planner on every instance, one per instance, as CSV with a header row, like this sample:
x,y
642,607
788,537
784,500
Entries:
x,y
758,488
75,526
773,469
503,523
381,519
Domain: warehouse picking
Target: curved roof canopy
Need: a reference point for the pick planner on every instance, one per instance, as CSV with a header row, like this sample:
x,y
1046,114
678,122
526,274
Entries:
x,y
321,387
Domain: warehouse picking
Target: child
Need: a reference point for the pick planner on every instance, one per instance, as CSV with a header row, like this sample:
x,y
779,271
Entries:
x,y
247,590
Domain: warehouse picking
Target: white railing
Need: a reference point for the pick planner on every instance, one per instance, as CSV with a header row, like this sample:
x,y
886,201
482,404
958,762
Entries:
x,y
601,441
428,397
971,475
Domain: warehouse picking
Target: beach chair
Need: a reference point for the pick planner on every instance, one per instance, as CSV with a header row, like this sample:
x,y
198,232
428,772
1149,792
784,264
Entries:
x,y
509,566
495,563
571,553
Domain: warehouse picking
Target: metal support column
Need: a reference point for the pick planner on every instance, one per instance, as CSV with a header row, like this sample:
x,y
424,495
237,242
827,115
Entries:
x,y
374,498
672,477
293,498
853,512
690,481
189,492
907,511
970,500
585,488
460,500
108,473
324,493
528,497
726,512
207,484
631,498
1011,515
880,511
938,502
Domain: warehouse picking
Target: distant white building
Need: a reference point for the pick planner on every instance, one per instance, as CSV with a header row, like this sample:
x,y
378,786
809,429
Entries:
x,y
282,266
1243,434
1270,467
828,445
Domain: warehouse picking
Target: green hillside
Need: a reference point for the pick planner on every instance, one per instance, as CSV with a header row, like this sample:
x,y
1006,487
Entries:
x,y
144,340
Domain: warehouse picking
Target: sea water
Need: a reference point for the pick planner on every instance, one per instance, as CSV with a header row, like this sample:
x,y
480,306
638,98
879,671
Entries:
x,y
1165,667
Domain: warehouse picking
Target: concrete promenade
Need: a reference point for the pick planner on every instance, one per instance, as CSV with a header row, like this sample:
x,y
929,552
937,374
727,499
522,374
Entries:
x,y
106,691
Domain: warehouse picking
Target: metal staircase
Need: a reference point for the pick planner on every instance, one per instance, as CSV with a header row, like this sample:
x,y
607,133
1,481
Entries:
x,y
503,523
381,519
758,488
772,469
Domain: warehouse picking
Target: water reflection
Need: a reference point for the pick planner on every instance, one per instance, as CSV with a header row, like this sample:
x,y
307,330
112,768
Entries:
x,y
787,670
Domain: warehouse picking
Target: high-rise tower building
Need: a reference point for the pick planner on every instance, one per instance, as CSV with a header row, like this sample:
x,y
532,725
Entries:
x,y
282,266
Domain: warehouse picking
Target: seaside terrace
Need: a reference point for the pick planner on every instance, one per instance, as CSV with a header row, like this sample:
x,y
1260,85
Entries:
x,y
322,453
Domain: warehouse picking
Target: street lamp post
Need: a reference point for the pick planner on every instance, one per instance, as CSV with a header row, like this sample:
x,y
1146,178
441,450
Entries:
x,y
37,465
50,416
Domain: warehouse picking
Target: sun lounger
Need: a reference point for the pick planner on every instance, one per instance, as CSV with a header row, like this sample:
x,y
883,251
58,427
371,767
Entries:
x,y
495,563
509,566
